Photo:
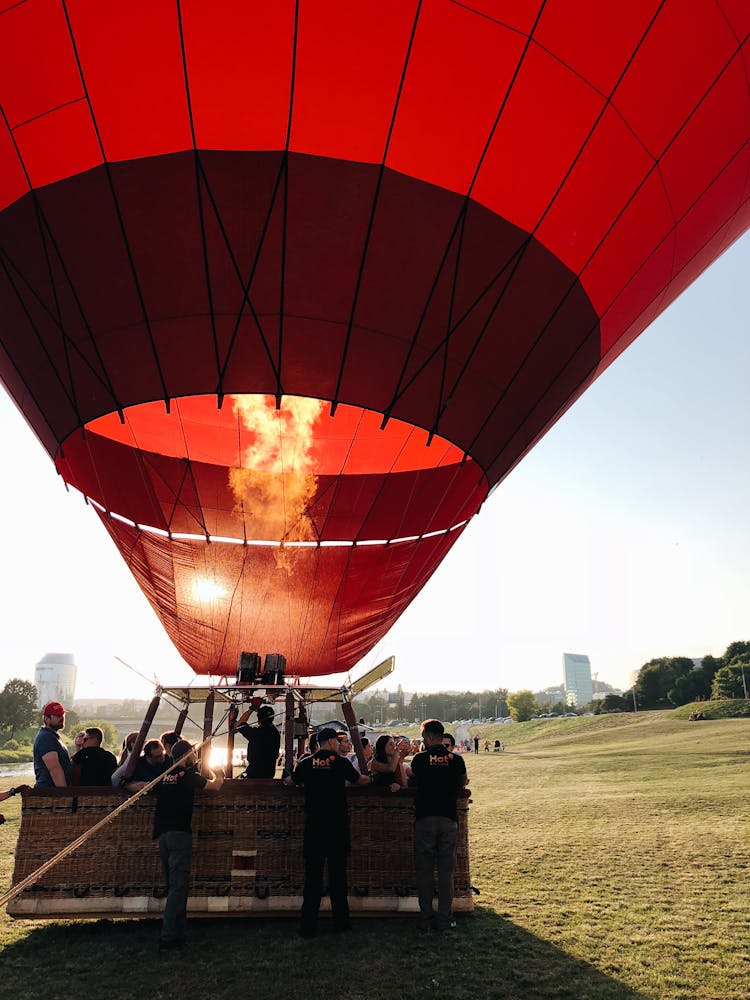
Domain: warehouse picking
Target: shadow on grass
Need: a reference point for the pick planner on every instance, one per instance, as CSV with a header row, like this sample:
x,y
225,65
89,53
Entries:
x,y
485,958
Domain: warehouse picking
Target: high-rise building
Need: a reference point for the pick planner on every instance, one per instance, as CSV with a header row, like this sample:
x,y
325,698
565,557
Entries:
x,y
55,679
578,687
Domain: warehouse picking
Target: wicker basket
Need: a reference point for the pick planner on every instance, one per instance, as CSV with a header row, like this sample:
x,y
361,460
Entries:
x,y
247,854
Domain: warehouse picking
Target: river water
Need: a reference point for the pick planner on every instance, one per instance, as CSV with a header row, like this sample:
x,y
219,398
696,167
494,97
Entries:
x,y
17,770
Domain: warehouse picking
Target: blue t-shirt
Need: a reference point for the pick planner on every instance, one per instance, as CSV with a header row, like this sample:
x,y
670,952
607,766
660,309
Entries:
x,y
48,741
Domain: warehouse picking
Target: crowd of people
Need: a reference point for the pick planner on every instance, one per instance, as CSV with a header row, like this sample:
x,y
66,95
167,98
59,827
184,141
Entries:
x,y
327,766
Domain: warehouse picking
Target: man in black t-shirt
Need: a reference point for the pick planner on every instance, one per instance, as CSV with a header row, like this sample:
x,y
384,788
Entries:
x,y
324,776
439,775
172,818
263,743
92,764
149,766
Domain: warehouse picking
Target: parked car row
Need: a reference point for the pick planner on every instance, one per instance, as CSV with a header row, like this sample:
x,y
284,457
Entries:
x,y
552,715
476,722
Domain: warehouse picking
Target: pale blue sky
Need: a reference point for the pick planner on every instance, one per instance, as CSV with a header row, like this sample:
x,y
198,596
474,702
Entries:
x,y
625,534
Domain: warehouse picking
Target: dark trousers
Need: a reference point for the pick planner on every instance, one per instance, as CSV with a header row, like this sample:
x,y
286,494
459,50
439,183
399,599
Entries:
x,y
175,849
435,840
321,844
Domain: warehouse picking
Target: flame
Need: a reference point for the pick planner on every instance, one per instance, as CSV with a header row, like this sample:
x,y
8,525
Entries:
x,y
276,484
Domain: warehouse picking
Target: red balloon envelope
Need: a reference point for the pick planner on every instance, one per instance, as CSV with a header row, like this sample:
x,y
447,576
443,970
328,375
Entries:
x,y
286,288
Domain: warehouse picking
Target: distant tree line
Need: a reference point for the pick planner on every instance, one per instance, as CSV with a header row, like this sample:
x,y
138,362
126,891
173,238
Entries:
x,y
17,707
20,717
669,681
664,682
381,707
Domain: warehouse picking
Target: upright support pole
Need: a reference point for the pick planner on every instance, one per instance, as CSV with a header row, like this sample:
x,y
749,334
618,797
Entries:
x,y
208,726
302,741
289,735
141,739
181,720
351,721
231,722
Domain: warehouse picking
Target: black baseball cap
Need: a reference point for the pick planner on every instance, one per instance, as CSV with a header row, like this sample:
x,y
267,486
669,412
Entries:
x,y
180,748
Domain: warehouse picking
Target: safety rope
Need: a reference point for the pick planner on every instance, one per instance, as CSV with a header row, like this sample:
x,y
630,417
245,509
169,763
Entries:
x,y
79,841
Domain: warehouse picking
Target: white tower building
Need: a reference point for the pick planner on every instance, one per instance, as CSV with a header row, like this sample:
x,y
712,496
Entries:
x,y
55,679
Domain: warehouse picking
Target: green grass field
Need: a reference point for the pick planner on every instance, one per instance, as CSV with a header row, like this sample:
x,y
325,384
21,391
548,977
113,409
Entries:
x,y
612,857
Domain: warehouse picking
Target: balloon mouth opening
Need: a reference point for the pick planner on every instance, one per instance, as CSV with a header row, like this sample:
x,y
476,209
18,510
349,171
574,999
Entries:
x,y
250,434
292,475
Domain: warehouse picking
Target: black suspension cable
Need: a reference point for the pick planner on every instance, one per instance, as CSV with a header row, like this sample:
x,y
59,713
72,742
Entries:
x,y
655,167
285,210
398,392
550,204
373,210
56,317
647,306
118,211
198,190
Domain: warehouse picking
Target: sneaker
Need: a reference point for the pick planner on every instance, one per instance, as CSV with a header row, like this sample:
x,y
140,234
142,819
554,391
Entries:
x,y
450,926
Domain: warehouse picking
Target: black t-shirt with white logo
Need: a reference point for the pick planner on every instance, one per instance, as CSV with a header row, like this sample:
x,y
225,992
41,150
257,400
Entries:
x,y
439,776
324,777
174,800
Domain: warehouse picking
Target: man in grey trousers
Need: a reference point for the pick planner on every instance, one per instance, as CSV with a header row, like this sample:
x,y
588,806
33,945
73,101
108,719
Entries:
x,y
174,811
439,775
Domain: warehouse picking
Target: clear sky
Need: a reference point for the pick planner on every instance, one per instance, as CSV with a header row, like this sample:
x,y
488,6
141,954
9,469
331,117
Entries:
x,y
625,534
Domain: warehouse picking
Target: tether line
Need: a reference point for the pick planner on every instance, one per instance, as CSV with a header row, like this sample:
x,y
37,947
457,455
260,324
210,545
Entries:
x,y
79,841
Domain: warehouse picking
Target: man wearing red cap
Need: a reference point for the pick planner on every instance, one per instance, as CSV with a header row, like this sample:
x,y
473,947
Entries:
x,y
52,766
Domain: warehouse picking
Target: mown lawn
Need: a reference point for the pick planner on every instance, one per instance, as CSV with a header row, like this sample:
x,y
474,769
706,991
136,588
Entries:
x,y
612,857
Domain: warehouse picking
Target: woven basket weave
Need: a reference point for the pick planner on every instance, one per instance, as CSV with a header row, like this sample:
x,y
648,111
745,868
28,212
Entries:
x,y
247,853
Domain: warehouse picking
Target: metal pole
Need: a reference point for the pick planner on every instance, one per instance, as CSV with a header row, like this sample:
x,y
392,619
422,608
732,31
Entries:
x,y
181,720
288,733
356,737
635,704
208,725
744,685
231,721
141,739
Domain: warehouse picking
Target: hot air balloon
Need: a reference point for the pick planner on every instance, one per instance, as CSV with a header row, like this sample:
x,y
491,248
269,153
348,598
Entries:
x,y
287,288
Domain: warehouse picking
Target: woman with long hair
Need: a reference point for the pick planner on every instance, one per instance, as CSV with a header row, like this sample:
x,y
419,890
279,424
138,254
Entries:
x,y
387,765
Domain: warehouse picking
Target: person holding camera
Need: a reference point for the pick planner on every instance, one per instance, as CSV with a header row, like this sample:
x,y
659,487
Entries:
x,y
387,765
